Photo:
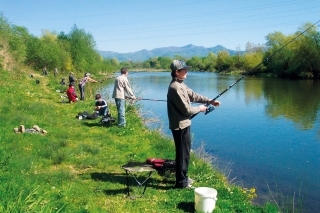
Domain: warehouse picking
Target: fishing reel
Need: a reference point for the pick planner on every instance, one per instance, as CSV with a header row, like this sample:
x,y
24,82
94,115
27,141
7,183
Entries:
x,y
210,108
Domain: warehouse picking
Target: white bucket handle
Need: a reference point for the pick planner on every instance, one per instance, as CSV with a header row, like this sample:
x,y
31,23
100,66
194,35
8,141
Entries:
x,y
215,198
211,197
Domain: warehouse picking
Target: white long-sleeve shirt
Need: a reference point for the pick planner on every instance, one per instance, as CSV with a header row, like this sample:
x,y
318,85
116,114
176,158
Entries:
x,y
122,88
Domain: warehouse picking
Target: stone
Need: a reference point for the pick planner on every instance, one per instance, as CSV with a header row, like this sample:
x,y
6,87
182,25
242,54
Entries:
x,y
36,128
22,129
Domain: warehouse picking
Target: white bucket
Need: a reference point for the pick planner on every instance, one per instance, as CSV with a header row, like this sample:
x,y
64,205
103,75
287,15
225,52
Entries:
x,y
205,199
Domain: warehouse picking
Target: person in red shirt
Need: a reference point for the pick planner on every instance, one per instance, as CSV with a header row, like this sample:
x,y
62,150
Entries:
x,y
72,96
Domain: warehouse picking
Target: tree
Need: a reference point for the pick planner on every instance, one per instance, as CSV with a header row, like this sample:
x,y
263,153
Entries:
x,y
33,59
65,55
153,62
253,57
82,50
307,53
114,62
299,56
280,62
146,65
50,51
238,60
165,62
223,61
210,62
196,63
13,41
18,41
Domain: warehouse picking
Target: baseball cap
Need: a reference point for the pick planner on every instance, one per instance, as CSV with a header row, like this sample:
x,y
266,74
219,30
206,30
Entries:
x,y
87,74
178,65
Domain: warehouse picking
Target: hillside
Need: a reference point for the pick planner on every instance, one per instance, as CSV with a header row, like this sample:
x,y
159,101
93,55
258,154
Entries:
x,y
185,51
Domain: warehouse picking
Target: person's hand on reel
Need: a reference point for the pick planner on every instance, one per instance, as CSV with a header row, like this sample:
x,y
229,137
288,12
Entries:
x,y
215,103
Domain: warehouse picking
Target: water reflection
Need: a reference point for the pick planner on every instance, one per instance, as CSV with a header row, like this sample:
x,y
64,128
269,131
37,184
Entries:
x,y
253,90
295,100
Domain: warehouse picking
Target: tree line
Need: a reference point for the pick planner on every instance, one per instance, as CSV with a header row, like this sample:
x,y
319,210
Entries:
x,y
285,56
75,51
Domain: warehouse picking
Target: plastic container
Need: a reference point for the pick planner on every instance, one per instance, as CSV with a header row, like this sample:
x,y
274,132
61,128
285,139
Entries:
x,y
205,199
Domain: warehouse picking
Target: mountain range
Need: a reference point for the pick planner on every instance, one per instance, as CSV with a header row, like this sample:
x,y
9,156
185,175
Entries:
x,y
185,51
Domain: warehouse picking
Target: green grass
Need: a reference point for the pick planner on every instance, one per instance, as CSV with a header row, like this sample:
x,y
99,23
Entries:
x,y
76,166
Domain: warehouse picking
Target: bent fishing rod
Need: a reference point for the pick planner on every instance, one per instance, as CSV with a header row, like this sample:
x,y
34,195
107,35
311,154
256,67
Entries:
x,y
210,107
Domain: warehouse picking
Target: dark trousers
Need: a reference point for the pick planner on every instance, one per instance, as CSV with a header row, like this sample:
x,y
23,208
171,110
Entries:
x,y
81,88
182,141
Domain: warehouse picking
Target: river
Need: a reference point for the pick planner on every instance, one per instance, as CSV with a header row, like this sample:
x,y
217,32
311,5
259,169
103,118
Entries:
x,y
265,134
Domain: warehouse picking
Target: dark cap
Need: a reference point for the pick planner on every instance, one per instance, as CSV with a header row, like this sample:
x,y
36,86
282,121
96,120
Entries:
x,y
71,84
178,65
98,96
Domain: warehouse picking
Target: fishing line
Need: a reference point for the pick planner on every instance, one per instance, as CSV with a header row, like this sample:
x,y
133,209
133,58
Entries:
x,y
210,107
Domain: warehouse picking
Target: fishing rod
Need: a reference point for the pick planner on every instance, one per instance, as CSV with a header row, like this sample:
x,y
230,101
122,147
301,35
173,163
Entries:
x,y
210,107
145,99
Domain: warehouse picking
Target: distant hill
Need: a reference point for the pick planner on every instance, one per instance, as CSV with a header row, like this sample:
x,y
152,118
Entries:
x,y
185,51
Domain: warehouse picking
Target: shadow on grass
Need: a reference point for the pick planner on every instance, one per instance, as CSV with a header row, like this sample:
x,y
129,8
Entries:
x,y
186,206
109,177
113,178
97,124
122,178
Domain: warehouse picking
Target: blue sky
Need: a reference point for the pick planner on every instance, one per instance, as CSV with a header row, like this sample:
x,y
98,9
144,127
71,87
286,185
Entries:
x,y
127,26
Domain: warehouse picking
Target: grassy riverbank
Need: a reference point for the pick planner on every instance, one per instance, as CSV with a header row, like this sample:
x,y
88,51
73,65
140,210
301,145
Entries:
x,y
76,166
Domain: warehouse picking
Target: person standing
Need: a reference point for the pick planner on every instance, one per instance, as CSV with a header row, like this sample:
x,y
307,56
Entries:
x,y
55,72
83,82
180,110
44,71
122,90
72,79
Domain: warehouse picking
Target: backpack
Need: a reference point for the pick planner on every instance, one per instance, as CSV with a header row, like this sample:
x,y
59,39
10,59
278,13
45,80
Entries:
x,y
86,115
163,166
107,119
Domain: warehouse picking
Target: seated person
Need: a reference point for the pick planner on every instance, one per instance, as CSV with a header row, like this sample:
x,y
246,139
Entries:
x,y
101,105
72,96
63,82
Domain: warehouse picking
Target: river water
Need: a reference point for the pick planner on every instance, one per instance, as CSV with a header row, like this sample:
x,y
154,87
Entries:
x,y
265,134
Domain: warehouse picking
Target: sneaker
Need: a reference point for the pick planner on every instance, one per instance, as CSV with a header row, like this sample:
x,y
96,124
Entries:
x,y
189,187
190,181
